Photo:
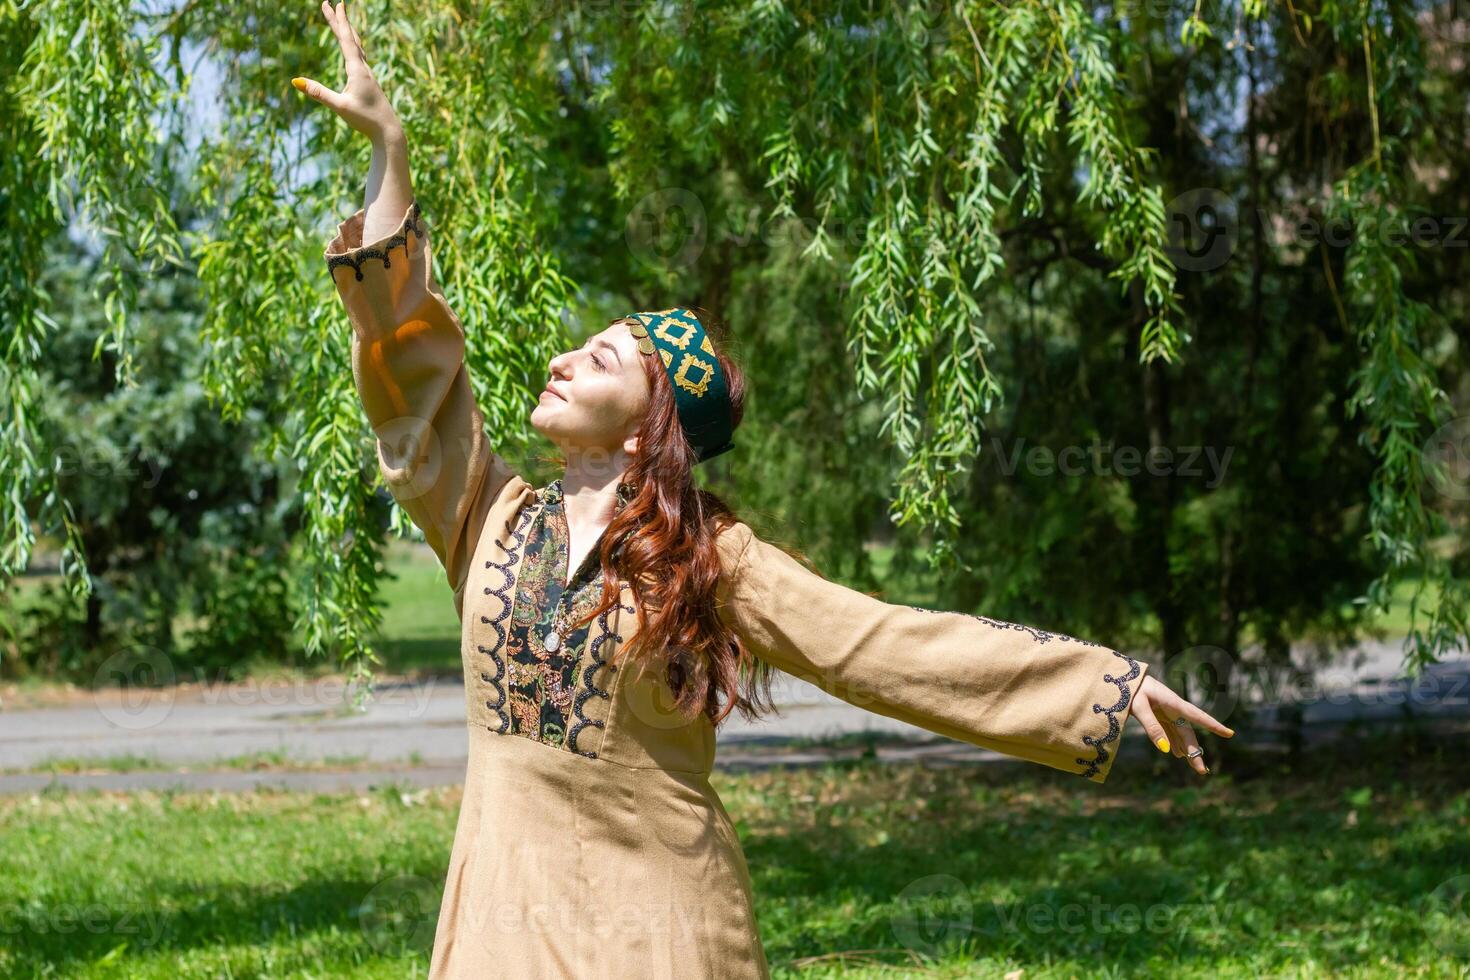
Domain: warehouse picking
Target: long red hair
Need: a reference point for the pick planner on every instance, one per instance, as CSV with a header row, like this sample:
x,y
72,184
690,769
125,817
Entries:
x,y
662,543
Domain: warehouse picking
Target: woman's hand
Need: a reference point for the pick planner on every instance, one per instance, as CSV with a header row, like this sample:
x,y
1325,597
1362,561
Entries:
x,y
1170,720
362,103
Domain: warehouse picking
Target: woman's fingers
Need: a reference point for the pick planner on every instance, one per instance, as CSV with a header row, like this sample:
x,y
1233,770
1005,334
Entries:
x,y
1188,742
1201,717
351,27
319,92
1143,710
1176,741
361,102
351,52
1166,700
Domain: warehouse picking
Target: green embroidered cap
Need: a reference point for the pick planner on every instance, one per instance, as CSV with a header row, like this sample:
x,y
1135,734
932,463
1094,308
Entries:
x,y
701,396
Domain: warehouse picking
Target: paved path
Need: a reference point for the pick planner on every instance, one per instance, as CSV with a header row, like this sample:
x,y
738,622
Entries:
x,y
413,733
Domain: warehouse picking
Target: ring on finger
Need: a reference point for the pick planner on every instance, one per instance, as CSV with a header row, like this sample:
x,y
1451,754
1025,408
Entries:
x,y
1182,721
1194,753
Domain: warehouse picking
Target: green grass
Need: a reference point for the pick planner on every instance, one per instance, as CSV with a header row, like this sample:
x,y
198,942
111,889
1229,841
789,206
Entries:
x,y
272,760
419,636
1329,873
420,632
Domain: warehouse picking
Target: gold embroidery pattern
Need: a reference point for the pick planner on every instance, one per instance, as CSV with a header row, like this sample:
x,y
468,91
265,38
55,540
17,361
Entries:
x,y
679,340
706,346
668,358
698,388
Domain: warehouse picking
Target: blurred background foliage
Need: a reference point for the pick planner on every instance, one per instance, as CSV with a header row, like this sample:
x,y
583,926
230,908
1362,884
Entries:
x,y
1163,245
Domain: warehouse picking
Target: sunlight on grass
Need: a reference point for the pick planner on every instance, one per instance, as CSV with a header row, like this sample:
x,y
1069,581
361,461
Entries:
x,y
860,870
263,760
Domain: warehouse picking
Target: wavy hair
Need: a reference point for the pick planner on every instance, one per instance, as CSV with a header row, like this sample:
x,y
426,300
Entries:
x,y
662,543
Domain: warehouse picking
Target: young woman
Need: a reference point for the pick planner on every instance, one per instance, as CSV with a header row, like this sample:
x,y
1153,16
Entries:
x,y
614,617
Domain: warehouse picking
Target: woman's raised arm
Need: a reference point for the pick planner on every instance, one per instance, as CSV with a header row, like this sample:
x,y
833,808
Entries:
x,y
407,344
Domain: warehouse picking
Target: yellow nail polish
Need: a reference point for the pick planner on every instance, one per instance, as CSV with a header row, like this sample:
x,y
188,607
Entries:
x,y
1163,743
299,83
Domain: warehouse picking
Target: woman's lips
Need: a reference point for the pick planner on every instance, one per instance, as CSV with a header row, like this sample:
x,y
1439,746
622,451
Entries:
x,y
548,390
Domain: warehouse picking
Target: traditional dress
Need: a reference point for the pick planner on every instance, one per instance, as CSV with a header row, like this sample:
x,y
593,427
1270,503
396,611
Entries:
x,y
589,841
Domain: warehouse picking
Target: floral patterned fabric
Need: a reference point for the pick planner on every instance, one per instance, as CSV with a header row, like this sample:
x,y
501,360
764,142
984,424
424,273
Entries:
x,y
542,683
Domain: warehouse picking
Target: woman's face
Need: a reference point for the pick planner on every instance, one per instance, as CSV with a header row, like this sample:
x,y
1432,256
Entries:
x,y
597,395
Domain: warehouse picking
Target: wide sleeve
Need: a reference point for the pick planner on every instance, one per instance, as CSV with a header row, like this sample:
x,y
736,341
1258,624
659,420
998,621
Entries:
x,y
408,365
1026,692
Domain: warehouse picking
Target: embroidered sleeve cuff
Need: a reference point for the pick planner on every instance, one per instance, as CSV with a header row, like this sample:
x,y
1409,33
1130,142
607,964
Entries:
x,y
1118,687
348,248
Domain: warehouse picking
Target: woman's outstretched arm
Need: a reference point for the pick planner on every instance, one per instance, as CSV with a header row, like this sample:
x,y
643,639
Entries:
x,y
407,344
1026,692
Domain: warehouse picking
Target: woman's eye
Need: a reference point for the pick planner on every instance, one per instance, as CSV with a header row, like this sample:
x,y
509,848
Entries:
x,y
598,361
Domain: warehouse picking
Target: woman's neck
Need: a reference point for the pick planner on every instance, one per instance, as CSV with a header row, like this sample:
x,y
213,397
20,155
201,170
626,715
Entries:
x,y
589,501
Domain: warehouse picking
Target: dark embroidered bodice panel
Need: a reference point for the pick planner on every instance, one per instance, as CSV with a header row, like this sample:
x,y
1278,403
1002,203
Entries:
x,y
541,685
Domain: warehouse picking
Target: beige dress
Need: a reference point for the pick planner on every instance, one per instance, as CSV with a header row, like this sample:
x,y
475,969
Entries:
x,y
618,859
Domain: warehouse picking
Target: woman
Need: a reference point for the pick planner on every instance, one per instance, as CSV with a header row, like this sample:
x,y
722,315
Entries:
x,y
612,618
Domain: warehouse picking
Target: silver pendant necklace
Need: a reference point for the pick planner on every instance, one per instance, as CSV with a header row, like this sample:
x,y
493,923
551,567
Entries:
x,y
553,638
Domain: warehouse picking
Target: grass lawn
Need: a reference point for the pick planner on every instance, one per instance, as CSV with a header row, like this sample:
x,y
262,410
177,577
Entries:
x,y
861,870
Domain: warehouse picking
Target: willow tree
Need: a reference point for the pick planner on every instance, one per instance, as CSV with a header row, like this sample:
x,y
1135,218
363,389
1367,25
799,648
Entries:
x,y
926,224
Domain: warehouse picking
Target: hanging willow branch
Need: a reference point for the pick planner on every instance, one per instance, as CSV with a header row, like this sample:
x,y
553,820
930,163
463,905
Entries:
x,y
933,134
